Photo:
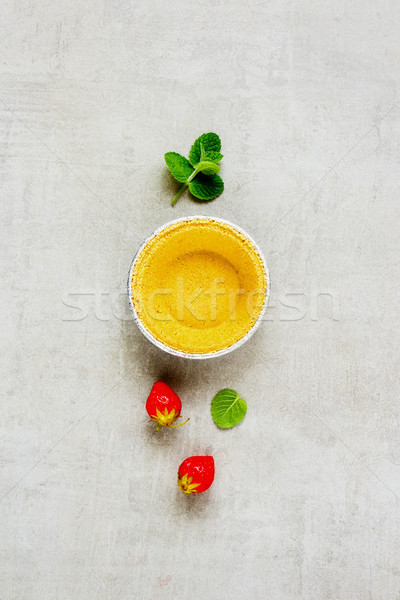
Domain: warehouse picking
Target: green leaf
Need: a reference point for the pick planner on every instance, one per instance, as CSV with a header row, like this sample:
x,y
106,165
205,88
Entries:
x,y
207,167
213,156
228,408
206,187
203,146
178,165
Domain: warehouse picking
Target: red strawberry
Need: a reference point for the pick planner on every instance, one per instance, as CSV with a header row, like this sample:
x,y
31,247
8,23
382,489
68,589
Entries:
x,y
164,406
196,474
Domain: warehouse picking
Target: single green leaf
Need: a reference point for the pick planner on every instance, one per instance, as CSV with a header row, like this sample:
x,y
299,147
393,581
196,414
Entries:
x,y
203,146
206,187
178,165
213,156
228,408
207,167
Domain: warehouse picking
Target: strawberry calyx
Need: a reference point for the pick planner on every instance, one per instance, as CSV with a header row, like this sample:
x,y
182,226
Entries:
x,y
186,485
166,419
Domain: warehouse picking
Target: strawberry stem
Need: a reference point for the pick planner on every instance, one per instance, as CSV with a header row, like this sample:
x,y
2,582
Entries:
x,y
179,424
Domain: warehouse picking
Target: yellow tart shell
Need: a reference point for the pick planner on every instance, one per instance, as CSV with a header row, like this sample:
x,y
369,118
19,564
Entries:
x,y
198,286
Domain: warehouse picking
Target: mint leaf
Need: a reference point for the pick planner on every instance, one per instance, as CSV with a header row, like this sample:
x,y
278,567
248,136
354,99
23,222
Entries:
x,y
203,146
213,156
206,187
178,165
228,408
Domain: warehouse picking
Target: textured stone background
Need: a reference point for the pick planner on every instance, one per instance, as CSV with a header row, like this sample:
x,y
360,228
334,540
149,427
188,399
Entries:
x,y
305,96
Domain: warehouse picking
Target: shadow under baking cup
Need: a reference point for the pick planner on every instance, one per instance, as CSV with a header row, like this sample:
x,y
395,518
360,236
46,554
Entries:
x,y
199,355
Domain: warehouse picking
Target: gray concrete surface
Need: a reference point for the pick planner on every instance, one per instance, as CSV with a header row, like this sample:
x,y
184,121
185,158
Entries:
x,y
305,96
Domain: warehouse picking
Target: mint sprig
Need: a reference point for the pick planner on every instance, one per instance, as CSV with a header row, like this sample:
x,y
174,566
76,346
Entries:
x,y
199,173
228,408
